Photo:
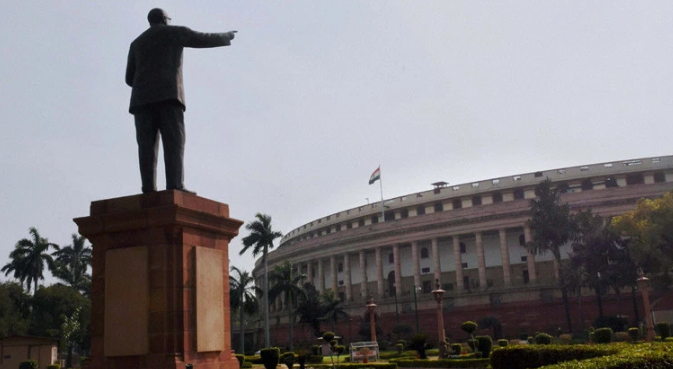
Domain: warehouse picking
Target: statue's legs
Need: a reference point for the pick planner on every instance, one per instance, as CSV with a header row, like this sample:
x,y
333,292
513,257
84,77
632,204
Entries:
x,y
166,119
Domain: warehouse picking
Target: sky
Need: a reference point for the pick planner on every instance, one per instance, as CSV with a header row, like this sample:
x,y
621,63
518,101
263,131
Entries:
x,y
312,96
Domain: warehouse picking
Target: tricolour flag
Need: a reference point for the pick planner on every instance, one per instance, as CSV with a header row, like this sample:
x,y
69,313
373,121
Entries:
x,y
375,176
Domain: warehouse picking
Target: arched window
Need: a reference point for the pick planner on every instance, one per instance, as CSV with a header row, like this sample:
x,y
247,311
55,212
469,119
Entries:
x,y
424,253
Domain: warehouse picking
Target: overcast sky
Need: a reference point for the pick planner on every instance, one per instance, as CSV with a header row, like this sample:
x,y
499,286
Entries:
x,y
312,96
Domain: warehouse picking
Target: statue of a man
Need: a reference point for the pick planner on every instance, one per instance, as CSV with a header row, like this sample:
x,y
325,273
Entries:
x,y
154,71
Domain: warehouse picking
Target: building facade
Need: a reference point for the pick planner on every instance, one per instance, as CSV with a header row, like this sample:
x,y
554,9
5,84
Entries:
x,y
469,237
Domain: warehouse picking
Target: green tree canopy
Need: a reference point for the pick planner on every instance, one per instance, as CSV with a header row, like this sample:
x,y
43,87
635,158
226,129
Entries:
x,y
242,298
72,263
286,284
14,309
28,259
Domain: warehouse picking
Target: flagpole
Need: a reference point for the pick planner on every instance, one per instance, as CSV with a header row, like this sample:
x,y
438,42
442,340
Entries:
x,y
383,215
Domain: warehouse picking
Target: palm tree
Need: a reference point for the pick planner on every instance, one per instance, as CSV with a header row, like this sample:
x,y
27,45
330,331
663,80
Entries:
x,y
242,292
287,285
72,263
331,308
28,259
261,239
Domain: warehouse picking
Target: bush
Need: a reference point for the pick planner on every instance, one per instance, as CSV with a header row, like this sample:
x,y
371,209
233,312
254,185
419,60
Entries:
x,y
402,342
314,359
621,337
399,347
469,327
239,357
663,329
328,336
456,349
315,350
442,363
603,335
289,359
29,364
246,364
566,339
543,339
634,333
520,357
270,357
419,342
484,344
654,356
503,342
530,340
54,366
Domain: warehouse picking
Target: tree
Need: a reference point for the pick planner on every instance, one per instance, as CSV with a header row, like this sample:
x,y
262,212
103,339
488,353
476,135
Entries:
x,y
28,259
552,225
286,285
649,228
261,239
14,309
331,308
242,293
309,310
72,263
71,331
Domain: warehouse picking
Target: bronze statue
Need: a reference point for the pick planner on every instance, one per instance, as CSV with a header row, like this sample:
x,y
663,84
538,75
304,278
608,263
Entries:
x,y
154,72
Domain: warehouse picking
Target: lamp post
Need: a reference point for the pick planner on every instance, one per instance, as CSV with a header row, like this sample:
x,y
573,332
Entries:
x,y
438,293
418,330
372,325
649,324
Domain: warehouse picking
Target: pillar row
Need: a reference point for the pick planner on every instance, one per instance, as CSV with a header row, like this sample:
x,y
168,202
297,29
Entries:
x,y
459,263
363,272
481,260
504,256
347,277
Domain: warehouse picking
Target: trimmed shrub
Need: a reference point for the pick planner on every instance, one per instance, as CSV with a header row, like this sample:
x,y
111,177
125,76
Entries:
x,y
270,357
315,350
246,364
484,345
663,329
402,342
399,347
617,323
419,342
328,336
603,335
314,359
531,340
469,327
535,356
503,342
654,356
566,339
543,339
621,337
443,363
634,333
255,359
456,349
29,364
239,357
289,359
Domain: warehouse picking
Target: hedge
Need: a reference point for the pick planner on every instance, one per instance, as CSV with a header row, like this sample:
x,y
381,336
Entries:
x,y
443,363
28,364
376,365
651,356
521,357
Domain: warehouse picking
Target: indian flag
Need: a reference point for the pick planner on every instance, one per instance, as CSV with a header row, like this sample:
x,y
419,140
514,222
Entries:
x,y
375,176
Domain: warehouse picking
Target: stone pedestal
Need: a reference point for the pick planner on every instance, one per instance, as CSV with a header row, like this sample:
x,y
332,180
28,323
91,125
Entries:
x,y
160,288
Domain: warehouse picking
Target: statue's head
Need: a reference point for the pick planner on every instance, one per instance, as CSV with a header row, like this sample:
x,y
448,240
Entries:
x,y
158,16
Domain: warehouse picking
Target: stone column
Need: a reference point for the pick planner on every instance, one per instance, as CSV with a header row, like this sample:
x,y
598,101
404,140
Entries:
x,y
504,256
416,263
333,272
309,273
459,263
398,270
364,292
379,272
347,277
532,275
481,260
321,276
436,261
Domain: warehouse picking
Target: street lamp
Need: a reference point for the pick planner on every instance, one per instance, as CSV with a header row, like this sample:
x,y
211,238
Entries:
x,y
372,325
649,324
438,293
416,288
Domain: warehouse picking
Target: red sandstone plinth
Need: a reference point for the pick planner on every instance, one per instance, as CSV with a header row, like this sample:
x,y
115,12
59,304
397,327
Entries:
x,y
160,281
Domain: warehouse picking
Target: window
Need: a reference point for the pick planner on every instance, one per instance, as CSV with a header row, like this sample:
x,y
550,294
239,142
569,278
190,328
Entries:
x,y
659,177
476,200
497,197
463,248
457,204
389,216
524,258
522,240
338,227
340,267
424,253
328,230
538,174
349,225
611,182
464,265
634,179
404,214
375,219
489,283
427,286
526,277
391,258
518,194
466,282
562,187
361,223
341,283
447,287
425,270
328,217
439,207
342,297
420,210
587,185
